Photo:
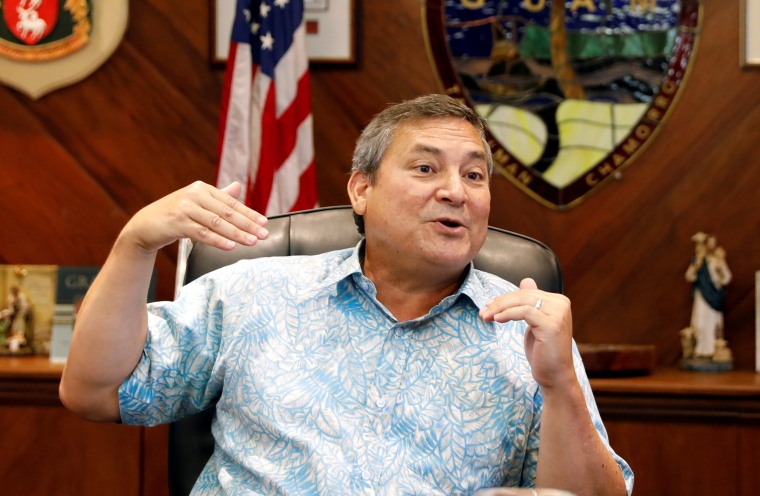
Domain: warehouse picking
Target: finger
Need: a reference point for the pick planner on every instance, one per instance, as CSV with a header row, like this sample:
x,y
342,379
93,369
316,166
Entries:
x,y
233,189
523,302
225,230
204,235
528,313
215,218
229,205
226,216
222,202
234,217
510,302
528,283
536,300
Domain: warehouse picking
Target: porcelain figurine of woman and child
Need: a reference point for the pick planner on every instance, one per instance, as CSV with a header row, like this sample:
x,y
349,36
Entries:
x,y
703,342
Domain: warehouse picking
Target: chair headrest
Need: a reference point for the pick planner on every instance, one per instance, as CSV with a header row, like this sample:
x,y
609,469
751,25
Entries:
x,y
508,255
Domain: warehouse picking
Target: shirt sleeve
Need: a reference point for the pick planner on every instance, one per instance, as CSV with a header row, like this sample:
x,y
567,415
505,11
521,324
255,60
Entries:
x,y
528,476
179,372
596,418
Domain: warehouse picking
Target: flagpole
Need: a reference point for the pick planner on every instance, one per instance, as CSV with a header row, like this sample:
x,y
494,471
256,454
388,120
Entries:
x,y
183,251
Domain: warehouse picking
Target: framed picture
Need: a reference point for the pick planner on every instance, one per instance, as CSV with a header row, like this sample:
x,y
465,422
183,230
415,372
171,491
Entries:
x,y
330,31
749,26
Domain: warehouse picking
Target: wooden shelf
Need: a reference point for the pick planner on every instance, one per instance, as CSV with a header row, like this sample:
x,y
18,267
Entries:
x,y
677,395
668,425
679,382
129,461
29,367
685,432
30,381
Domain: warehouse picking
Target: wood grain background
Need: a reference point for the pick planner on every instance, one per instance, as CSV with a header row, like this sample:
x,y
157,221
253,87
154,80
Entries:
x,y
75,164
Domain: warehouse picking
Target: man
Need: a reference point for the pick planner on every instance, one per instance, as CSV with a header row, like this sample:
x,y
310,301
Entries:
x,y
392,368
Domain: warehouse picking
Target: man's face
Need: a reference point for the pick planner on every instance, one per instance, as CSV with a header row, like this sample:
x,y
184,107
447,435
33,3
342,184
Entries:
x,y
429,205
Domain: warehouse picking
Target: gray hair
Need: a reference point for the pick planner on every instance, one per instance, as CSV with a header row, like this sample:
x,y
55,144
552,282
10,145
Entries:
x,y
378,135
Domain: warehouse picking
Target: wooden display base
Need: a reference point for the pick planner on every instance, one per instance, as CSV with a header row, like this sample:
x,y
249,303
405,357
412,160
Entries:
x,y
25,351
706,365
607,360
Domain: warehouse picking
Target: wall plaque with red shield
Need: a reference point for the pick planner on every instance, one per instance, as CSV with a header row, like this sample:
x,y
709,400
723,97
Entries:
x,y
46,44
37,30
30,21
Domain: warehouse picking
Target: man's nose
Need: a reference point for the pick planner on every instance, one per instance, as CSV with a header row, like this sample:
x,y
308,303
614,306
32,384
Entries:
x,y
452,189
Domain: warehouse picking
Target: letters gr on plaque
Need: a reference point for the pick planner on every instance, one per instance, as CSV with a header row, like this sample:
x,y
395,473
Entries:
x,y
571,91
48,44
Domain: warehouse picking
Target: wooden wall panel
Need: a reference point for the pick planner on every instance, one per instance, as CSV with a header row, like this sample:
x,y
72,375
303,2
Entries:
x,y
47,450
749,477
155,461
75,164
681,458
79,161
625,249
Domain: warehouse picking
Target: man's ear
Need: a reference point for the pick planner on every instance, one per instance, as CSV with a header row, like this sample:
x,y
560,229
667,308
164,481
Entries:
x,y
358,186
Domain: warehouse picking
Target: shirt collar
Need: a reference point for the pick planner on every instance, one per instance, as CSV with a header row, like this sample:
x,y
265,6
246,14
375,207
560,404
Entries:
x,y
472,287
350,265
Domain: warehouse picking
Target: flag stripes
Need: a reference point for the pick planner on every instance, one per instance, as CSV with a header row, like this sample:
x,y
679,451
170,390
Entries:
x,y
266,132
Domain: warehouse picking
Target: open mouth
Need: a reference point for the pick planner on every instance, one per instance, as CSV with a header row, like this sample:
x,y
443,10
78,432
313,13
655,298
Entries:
x,y
449,223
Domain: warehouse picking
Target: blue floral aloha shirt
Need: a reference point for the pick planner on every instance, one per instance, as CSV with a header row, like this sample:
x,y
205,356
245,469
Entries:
x,y
320,390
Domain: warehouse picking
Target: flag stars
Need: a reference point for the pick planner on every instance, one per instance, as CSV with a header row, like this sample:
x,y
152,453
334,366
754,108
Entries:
x,y
255,27
247,14
281,3
267,41
264,10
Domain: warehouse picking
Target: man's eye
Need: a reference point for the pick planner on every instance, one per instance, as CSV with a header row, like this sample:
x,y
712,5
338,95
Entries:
x,y
424,169
474,176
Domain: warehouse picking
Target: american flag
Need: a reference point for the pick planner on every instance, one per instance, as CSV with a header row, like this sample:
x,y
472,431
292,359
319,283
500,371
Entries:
x,y
265,138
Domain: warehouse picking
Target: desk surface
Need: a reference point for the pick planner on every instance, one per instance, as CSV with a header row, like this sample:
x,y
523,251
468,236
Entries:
x,y
29,381
663,381
672,381
29,367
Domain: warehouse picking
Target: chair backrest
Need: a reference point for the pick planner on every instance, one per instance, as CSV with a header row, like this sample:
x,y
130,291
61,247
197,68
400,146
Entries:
x,y
509,255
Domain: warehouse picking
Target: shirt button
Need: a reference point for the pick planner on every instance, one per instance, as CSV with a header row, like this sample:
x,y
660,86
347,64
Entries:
x,y
365,475
399,332
380,403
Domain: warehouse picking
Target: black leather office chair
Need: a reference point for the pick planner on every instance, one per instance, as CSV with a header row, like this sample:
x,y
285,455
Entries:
x,y
506,254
